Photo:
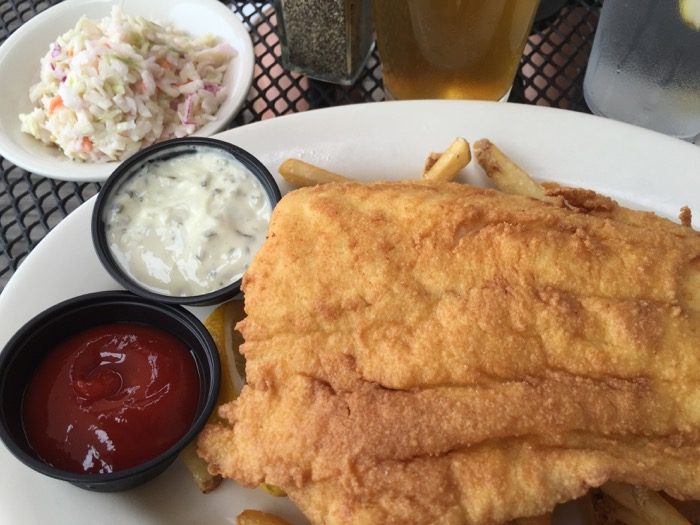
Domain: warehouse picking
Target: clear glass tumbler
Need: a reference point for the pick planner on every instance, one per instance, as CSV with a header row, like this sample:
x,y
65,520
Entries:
x,y
645,65
459,49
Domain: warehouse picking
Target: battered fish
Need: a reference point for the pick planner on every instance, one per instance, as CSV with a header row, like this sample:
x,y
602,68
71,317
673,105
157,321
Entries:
x,y
448,354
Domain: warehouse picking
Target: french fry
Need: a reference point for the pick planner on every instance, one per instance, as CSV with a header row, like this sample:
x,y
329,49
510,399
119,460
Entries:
x,y
620,514
506,174
430,161
272,490
444,167
227,342
257,517
299,173
647,504
198,468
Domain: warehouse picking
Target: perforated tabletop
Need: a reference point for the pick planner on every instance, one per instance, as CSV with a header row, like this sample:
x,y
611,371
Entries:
x,y
551,74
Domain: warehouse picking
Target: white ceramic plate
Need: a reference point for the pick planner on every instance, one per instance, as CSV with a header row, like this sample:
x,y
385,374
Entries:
x,y
19,66
367,142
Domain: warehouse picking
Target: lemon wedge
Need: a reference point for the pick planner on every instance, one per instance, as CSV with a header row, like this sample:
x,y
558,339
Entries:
x,y
220,323
690,13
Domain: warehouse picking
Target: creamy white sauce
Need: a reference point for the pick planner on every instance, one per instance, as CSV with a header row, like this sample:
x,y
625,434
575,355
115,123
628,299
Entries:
x,y
188,225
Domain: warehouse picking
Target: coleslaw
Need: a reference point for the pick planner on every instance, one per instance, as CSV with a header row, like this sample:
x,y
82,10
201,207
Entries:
x,y
111,87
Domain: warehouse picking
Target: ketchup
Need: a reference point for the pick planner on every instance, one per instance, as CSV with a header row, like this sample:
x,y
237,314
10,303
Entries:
x,y
111,397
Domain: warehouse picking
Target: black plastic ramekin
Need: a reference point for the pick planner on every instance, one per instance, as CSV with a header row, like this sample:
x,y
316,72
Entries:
x,y
39,336
129,168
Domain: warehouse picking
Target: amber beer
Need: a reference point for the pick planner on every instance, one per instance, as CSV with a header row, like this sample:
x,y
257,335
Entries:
x,y
462,49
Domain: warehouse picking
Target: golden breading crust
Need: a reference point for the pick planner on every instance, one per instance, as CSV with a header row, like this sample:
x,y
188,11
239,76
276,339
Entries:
x,y
441,353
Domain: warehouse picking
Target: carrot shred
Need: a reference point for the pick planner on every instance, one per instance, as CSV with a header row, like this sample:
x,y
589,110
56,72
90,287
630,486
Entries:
x,y
87,144
56,102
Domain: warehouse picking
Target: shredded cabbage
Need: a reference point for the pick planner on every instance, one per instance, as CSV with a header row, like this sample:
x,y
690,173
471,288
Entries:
x,y
112,87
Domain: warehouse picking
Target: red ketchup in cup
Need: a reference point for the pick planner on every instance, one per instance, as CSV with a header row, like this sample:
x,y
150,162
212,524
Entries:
x,y
111,397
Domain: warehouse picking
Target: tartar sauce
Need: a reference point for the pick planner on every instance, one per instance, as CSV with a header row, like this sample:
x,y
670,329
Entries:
x,y
190,224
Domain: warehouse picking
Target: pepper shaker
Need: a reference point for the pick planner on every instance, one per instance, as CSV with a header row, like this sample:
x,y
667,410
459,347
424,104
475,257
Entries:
x,y
328,40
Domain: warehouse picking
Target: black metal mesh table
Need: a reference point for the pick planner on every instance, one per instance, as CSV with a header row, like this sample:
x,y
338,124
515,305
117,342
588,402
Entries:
x,y
551,74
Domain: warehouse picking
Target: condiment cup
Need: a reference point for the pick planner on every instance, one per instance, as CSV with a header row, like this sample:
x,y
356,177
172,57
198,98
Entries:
x,y
131,168
38,337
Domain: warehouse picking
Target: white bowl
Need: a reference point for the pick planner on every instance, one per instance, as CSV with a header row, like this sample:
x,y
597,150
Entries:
x,y
21,53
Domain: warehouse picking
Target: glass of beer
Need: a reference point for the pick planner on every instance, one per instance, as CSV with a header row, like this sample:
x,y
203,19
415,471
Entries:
x,y
459,49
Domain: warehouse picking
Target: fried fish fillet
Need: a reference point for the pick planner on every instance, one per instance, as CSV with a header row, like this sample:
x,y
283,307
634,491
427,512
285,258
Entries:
x,y
448,354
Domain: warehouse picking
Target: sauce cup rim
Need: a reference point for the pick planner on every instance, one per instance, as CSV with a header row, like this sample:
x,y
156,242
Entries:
x,y
127,169
208,378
